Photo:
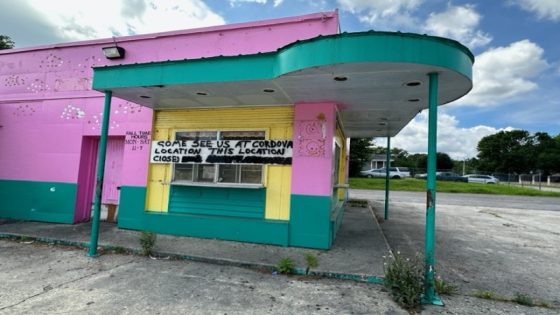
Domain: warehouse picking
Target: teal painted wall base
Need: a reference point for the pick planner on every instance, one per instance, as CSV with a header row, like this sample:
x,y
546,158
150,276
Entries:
x,y
132,216
37,201
310,221
218,201
313,223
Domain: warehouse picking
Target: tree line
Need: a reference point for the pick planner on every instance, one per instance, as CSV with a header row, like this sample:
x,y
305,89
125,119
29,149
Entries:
x,y
506,152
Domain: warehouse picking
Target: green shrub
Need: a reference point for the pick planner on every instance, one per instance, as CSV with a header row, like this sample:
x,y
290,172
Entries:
x,y
147,241
285,266
404,279
311,261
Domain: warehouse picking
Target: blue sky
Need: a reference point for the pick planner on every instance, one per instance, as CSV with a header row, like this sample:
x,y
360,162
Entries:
x,y
516,44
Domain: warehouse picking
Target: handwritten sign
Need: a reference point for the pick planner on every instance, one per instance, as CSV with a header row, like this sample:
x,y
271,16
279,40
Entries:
x,y
137,140
223,151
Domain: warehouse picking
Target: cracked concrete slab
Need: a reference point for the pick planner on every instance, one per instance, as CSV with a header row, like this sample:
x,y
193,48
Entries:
x,y
115,284
483,242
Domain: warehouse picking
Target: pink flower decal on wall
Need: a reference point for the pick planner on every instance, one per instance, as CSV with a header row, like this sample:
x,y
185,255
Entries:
x,y
51,61
37,86
310,139
24,110
127,108
13,80
95,122
72,112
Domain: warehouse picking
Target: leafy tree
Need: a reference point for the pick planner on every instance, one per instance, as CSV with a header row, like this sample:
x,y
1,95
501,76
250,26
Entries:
x,y
360,153
507,151
398,155
6,42
443,161
548,153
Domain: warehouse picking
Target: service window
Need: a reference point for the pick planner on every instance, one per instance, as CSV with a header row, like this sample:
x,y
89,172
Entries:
x,y
219,173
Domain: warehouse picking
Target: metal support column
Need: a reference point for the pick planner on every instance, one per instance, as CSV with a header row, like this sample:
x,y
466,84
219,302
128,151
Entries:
x,y
99,179
387,166
430,296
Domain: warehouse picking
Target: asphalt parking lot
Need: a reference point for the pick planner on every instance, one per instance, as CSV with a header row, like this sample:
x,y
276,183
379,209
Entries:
x,y
502,244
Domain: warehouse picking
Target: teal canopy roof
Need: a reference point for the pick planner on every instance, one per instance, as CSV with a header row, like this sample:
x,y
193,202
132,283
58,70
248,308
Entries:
x,y
379,79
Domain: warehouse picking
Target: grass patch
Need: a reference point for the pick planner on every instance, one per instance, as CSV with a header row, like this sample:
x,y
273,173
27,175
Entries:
x,y
523,299
519,298
412,184
445,288
489,295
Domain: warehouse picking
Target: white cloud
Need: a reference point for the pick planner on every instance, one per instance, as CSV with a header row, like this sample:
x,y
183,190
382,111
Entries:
x,y
458,142
80,20
275,3
545,9
504,73
382,12
459,23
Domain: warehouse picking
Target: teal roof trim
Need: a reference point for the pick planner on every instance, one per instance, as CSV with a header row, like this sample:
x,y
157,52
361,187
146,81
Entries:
x,y
363,47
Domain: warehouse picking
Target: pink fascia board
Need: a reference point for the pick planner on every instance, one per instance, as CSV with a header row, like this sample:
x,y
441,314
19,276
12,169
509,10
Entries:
x,y
330,26
312,161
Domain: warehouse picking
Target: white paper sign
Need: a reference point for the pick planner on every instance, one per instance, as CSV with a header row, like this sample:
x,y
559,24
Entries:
x,y
223,151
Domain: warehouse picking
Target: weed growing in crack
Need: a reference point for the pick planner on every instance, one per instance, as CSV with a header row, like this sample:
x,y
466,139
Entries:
x,y
404,279
285,266
147,241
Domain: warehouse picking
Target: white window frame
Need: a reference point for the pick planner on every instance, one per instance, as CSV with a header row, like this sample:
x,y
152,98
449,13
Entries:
x,y
216,181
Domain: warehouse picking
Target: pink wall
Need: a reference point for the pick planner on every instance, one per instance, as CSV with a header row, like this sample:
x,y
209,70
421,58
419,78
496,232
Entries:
x,y
47,106
312,161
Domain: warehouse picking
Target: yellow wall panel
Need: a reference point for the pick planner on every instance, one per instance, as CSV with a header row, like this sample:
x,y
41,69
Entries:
x,y
277,122
157,197
340,138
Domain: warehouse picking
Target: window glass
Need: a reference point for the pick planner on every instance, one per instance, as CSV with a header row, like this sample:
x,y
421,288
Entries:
x,y
219,173
228,173
242,135
336,167
205,172
250,174
197,135
183,172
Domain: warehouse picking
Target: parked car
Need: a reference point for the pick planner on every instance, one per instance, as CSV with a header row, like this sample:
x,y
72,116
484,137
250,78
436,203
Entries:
x,y
483,179
447,176
394,172
450,176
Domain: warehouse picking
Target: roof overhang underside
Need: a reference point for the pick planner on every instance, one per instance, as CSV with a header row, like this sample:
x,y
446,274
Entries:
x,y
379,80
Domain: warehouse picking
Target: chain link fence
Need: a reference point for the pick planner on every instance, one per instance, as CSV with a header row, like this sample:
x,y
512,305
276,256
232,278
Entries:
x,y
530,179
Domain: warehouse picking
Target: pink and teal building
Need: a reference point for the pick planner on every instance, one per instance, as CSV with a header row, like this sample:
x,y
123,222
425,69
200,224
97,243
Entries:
x,y
284,95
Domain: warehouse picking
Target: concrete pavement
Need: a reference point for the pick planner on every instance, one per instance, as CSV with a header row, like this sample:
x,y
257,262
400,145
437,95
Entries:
x,y
504,250
503,244
356,253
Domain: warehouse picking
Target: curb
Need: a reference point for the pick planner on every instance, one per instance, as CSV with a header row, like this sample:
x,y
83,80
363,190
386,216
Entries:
x,y
216,261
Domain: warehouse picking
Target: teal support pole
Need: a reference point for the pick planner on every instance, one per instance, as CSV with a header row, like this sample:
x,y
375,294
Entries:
x,y
387,171
99,179
430,296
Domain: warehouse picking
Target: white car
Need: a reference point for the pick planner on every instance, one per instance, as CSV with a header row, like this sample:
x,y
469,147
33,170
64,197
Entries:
x,y
394,172
483,179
